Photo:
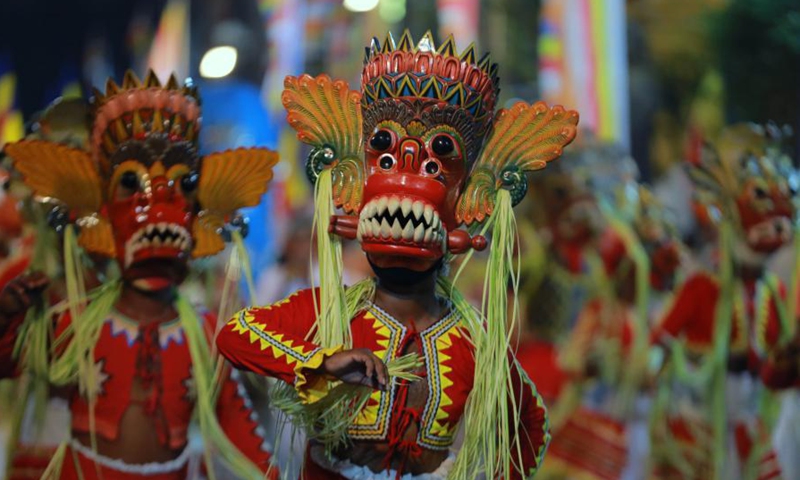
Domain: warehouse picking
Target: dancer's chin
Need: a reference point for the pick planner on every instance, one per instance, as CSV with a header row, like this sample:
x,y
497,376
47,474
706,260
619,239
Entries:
x,y
413,263
155,274
400,272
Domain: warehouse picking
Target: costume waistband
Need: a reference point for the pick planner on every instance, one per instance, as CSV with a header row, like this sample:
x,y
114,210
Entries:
x,y
151,468
351,471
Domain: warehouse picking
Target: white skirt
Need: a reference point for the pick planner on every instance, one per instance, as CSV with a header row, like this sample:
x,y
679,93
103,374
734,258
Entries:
x,y
352,471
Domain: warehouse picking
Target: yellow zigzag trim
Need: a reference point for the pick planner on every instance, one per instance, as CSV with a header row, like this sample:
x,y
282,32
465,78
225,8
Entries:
x,y
441,426
369,414
244,323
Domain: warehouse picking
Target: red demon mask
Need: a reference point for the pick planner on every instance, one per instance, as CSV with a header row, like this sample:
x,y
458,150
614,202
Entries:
x,y
420,150
142,194
745,177
152,205
415,172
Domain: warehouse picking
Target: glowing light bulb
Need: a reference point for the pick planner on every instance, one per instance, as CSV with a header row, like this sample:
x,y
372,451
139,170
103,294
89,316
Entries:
x,y
218,62
360,5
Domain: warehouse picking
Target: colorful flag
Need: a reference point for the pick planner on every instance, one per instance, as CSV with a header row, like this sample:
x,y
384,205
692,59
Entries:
x,y
583,63
459,18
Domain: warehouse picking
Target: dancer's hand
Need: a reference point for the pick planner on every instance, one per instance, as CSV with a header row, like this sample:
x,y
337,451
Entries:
x,y
358,366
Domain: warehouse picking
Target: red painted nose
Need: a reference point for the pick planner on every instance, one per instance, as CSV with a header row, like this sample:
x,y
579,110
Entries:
x,y
411,155
162,191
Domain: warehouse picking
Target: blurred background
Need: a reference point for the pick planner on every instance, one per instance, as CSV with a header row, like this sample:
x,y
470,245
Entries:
x,y
649,75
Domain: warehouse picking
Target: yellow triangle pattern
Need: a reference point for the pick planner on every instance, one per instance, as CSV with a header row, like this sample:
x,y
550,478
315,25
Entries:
x,y
369,414
441,426
274,342
382,331
373,420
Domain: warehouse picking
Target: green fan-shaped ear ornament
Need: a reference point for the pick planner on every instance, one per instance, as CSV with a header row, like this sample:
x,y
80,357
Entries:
x,y
327,116
524,138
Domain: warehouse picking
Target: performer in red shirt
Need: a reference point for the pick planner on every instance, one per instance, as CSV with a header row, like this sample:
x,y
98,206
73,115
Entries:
x,y
723,324
562,230
604,435
416,153
135,362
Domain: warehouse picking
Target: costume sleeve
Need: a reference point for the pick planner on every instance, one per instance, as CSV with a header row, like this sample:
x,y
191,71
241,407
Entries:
x,y
241,423
534,428
681,312
10,367
274,341
8,337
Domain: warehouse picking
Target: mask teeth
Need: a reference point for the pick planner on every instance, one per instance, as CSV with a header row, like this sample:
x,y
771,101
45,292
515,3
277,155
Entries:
x,y
157,235
401,220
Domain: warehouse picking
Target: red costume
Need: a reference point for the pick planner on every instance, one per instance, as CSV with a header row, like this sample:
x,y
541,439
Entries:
x,y
561,267
414,155
142,195
272,341
566,271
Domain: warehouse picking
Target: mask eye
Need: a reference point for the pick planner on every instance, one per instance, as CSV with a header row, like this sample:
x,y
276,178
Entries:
x,y
129,180
760,193
386,162
443,145
381,140
432,167
189,182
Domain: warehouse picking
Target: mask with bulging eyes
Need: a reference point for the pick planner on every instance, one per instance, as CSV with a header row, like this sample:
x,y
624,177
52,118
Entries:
x,y
415,171
765,207
140,192
152,201
745,177
420,151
